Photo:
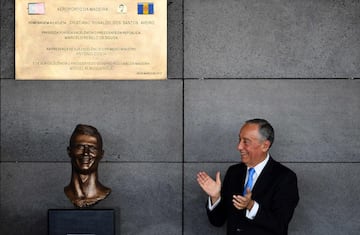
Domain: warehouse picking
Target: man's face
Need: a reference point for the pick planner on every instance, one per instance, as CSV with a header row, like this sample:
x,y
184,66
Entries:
x,y
85,153
252,148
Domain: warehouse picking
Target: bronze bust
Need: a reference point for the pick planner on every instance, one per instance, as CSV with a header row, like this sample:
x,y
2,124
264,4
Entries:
x,y
85,151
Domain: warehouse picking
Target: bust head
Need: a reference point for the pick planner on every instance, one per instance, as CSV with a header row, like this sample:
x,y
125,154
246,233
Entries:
x,y
85,151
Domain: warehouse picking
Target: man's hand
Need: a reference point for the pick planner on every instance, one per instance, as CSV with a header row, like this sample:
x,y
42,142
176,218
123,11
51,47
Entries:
x,y
210,186
243,202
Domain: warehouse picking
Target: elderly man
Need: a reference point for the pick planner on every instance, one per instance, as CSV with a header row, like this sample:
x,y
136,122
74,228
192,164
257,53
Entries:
x,y
258,195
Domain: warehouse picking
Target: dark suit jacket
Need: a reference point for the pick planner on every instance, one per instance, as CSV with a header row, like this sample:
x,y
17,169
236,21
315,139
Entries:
x,y
275,191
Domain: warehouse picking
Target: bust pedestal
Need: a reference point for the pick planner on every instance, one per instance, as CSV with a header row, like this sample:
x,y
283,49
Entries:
x,y
81,222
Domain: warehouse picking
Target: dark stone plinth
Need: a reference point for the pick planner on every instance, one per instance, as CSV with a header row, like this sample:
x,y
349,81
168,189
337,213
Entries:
x,y
81,222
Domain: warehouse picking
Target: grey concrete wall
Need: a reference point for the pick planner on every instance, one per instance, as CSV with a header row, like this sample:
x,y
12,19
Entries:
x,y
271,39
141,125
159,134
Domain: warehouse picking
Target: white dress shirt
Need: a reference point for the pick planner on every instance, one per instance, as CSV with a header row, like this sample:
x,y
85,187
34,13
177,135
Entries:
x,y
250,214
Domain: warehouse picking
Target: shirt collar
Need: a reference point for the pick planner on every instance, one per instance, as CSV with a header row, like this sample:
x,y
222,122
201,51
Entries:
x,y
259,167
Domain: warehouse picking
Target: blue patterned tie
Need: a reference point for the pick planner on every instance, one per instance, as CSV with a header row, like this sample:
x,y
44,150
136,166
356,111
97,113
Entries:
x,y
250,180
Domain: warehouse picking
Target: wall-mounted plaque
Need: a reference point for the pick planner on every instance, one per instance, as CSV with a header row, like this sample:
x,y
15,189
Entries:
x,y
90,39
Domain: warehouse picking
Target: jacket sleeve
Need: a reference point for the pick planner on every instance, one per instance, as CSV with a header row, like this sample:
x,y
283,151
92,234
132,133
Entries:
x,y
218,215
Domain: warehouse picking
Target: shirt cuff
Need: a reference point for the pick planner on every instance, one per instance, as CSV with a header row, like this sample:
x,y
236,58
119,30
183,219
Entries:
x,y
250,214
211,207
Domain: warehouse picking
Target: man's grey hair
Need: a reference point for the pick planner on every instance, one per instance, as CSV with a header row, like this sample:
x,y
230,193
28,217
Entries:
x,y
265,129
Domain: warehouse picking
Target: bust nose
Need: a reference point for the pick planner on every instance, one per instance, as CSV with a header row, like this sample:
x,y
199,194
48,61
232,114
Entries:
x,y
86,150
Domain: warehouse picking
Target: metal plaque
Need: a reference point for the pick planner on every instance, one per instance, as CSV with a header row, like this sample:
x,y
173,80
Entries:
x,y
90,39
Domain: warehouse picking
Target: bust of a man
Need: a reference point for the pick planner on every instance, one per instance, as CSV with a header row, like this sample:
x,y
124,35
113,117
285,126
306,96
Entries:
x,y
85,151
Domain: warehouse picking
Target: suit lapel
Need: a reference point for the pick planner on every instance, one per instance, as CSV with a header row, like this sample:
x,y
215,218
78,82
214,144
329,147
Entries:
x,y
238,179
264,178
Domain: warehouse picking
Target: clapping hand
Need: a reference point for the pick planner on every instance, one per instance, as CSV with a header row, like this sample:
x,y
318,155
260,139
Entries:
x,y
243,202
210,186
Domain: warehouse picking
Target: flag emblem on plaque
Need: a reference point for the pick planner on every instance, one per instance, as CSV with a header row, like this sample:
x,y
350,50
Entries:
x,y
37,8
145,8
